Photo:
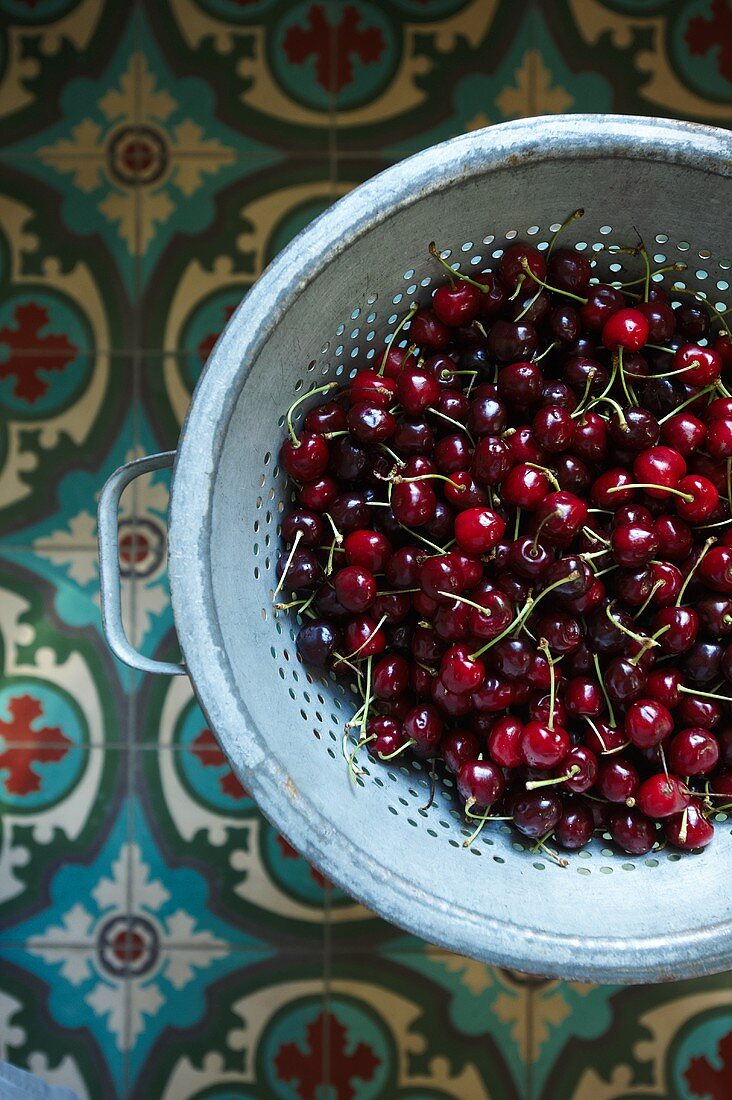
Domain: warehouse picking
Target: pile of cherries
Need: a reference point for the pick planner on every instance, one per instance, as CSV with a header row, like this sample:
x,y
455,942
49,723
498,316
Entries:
x,y
513,532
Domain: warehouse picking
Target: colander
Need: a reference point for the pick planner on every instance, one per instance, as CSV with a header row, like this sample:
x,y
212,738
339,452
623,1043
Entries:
x,y
327,304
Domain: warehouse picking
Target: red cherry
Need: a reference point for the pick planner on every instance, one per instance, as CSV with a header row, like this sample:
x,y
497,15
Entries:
x,y
525,487
688,830
704,498
504,742
575,826
693,752
715,569
662,795
426,328
424,725
511,265
307,459
627,328
719,437
661,466
361,635
369,549
480,783
584,759
617,779
413,502
458,304
633,831
686,432
477,530
369,386
701,366
459,672
543,747
647,723
458,747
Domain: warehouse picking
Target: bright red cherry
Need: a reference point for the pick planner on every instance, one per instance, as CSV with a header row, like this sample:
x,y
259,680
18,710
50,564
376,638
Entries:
x,y
689,829
543,747
715,568
307,459
647,723
477,530
458,304
627,328
370,386
362,637
525,487
459,672
704,498
661,467
480,783
719,437
369,549
693,752
633,545
662,795
700,365
416,389
617,779
504,742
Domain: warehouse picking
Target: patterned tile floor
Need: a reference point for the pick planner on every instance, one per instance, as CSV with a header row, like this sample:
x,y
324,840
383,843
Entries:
x,y
159,939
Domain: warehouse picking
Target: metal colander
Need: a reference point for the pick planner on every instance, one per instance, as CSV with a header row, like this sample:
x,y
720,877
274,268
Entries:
x,y
325,306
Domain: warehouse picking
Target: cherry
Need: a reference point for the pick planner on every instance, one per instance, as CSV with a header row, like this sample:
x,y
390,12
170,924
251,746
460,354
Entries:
x,y
647,723
528,558
700,365
477,530
491,460
659,466
524,446
426,328
349,512
680,626
440,577
559,517
580,764
590,437
610,489
661,321
520,383
304,572
543,747
509,341
715,569
633,545
564,324
412,437
662,795
688,830
617,779
624,681
392,606
390,677
575,826
626,328
686,432
355,587
458,304
511,267
554,428
493,621
693,752
458,747
525,487
511,658
602,739
487,416
635,430
674,536
504,742
569,270
493,300
459,672
536,813
480,783
602,301
416,389
453,452
582,696
424,726
309,525
371,423
413,502
347,459
306,459
632,831
369,549
316,642
704,498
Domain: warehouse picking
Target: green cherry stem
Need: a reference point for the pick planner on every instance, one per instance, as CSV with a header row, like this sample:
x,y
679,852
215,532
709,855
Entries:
x,y
407,317
552,289
704,551
455,273
688,497
303,397
603,689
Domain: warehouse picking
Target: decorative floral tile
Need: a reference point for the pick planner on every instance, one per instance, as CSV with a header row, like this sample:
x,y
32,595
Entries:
x,y
666,1040
432,1025
42,1034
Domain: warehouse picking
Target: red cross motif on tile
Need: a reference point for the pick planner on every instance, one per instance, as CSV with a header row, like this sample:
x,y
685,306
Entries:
x,y
703,34
206,749
26,746
53,352
306,1067
333,66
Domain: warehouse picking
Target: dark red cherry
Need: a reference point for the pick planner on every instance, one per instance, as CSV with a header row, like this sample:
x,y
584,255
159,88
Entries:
x,y
480,783
458,304
424,726
689,829
680,626
624,681
426,328
316,641
413,502
647,723
330,417
632,831
459,672
512,265
504,742
692,320
617,779
440,575
686,432
458,747
307,459
520,383
477,530
554,428
662,795
362,636
536,813
661,321
602,301
569,270
543,747
510,341
693,752
575,826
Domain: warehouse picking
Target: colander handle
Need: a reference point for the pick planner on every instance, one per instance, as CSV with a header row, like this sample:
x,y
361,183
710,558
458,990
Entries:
x,y
109,571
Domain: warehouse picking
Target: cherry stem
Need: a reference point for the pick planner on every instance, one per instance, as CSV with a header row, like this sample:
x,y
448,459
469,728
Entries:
x,y
586,393
656,271
573,217
683,828
595,536
519,284
399,461
544,647
365,642
627,390
530,604
353,771
456,423
598,735
464,599
304,397
549,474
481,818
603,689
649,597
407,317
618,409
543,523
456,274
552,289
538,358
368,698
682,370
534,783
528,306
729,481
541,844
288,563
705,694
516,524
390,756
701,298
704,551
689,401
641,639
430,477
688,497
617,749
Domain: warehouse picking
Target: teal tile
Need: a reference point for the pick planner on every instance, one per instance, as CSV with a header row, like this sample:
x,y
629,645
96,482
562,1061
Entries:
x,y
61,1040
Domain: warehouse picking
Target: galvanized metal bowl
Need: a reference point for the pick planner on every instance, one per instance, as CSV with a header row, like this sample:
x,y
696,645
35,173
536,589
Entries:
x,y
328,303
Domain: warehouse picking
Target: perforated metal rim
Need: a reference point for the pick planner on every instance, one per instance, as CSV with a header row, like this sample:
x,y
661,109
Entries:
x,y
653,958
